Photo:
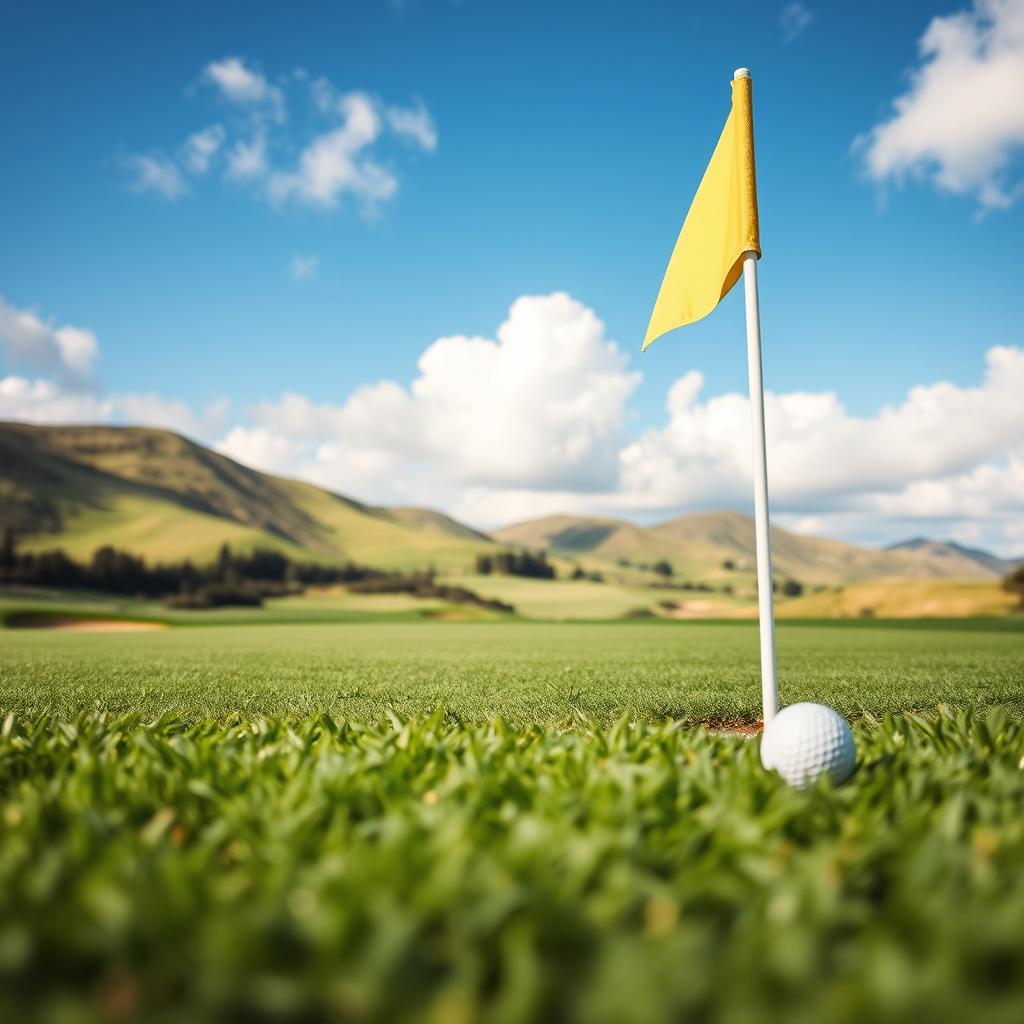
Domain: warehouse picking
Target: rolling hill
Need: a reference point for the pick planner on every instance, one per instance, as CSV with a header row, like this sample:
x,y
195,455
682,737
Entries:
x,y
160,495
165,497
698,546
953,553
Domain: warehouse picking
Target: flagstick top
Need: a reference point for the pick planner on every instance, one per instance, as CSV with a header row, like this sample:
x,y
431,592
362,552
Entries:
x,y
741,73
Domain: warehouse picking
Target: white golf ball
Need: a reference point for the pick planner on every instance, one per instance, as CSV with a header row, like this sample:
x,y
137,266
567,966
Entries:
x,y
805,741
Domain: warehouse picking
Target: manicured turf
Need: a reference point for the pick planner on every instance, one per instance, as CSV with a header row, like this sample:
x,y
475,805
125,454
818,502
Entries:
x,y
317,870
530,674
195,825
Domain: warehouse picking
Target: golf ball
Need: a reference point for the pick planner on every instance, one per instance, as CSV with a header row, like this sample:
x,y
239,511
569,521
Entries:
x,y
805,741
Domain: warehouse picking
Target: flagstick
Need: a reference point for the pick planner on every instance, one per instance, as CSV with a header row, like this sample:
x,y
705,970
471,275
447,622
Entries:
x,y
766,613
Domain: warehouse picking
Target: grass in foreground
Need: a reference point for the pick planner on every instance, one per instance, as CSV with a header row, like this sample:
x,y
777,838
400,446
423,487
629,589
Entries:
x,y
262,869
531,674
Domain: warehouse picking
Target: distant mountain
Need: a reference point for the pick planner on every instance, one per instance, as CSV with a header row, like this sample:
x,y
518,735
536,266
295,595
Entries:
x,y
954,553
698,546
163,496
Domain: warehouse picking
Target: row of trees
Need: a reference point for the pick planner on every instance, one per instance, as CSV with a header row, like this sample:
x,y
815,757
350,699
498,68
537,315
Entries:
x,y
516,563
662,567
232,578
424,584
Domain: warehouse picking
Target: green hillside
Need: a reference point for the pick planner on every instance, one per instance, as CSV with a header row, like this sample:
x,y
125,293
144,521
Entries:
x,y
698,546
165,497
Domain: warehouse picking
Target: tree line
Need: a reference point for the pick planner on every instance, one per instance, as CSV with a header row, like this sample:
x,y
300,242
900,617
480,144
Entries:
x,y
516,563
232,578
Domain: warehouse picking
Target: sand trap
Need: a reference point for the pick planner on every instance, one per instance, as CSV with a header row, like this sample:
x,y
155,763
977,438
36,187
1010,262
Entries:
x,y
66,624
697,609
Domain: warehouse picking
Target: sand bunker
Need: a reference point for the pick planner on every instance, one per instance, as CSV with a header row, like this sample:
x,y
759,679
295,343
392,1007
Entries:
x,y
68,624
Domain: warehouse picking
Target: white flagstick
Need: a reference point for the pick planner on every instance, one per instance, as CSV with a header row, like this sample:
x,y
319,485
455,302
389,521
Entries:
x,y
765,610
762,536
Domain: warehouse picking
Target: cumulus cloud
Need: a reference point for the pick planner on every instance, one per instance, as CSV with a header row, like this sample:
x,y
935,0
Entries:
x,y
201,147
945,452
257,446
538,407
155,172
29,341
533,421
794,20
960,124
68,393
337,148
42,400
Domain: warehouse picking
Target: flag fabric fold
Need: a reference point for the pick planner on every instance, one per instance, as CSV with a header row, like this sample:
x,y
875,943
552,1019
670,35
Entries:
x,y
719,228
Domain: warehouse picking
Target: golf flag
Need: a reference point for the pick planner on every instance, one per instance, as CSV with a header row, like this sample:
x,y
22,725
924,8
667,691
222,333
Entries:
x,y
721,225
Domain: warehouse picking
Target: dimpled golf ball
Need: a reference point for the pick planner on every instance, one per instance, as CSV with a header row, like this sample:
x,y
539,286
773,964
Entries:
x,y
805,741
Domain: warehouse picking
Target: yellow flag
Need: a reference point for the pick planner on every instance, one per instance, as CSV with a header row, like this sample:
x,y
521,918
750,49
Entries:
x,y
720,227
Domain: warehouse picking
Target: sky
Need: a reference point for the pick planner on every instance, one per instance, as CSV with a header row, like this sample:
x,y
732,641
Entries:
x,y
408,250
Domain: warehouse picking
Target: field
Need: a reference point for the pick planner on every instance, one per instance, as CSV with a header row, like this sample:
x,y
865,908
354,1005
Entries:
x,y
452,822
529,673
905,599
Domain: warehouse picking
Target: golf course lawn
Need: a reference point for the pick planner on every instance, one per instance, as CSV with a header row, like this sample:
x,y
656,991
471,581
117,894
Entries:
x,y
530,674
506,822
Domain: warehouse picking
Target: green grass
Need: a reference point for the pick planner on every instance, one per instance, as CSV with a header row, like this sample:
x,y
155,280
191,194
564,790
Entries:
x,y
508,822
267,869
533,674
583,599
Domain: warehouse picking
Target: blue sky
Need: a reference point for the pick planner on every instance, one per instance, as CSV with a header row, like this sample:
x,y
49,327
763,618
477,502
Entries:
x,y
548,147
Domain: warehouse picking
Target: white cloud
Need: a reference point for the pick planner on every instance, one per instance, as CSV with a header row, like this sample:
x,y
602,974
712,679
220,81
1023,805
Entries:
x,y
78,349
961,122
945,452
68,394
415,124
533,421
304,268
201,147
243,85
794,20
335,162
334,150
247,160
28,341
155,173
490,507
265,449
153,410
45,401
539,407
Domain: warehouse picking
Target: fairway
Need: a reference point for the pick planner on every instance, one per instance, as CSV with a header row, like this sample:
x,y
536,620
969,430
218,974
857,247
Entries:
x,y
530,674
505,822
